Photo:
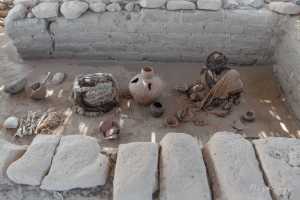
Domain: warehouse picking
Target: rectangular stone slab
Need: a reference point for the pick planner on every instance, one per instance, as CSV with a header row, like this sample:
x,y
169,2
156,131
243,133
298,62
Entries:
x,y
234,169
280,160
182,170
135,172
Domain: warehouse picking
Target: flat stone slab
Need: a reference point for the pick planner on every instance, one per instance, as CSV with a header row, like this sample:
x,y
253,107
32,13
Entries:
x,y
35,163
77,164
135,172
8,154
234,169
182,169
280,160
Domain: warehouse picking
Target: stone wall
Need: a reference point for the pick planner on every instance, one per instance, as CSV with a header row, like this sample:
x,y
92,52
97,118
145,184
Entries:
x,y
246,36
287,62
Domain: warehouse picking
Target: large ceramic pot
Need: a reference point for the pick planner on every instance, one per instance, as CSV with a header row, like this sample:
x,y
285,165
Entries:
x,y
146,86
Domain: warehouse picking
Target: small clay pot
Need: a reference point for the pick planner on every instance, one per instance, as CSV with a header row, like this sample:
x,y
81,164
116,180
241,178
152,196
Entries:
x,y
38,91
157,109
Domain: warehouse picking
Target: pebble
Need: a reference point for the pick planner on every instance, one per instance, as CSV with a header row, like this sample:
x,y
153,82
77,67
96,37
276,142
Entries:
x,y
114,7
58,78
152,3
46,10
129,7
181,5
209,5
97,7
11,123
73,9
16,86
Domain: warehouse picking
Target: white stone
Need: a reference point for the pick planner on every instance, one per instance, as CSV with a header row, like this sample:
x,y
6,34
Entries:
x,y
73,9
35,163
114,7
11,122
280,161
182,169
209,4
135,172
46,10
77,164
230,4
234,169
97,7
180,5
58,78
9,153
288,8
152,3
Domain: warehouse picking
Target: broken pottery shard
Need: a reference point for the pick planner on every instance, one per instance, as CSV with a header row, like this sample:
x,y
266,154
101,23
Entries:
x,y
46,10
180,5
77,164
9,153
234,169
182,169
16,86
135,172
73,9
35,163
280,161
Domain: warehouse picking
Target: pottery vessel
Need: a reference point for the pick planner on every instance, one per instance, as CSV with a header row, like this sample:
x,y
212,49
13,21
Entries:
x,y
146,86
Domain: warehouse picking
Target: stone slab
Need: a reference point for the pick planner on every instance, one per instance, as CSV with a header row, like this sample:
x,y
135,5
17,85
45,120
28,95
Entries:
x,y
135,172
280,161
234,169
182,169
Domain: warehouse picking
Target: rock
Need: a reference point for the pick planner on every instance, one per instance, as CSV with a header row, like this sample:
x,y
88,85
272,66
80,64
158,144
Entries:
x,y
230,4
73,9
97,7
234,169
35,163
46,10
9,153
129,6
280,161
77,164
27,3
152,3
15,87
287,8
180,5
114,7
209,4
135,172
257,4
30,15
182,169
58,78
11,123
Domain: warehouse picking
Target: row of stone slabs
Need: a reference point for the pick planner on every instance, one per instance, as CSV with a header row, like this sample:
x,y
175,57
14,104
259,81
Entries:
x,y
228,167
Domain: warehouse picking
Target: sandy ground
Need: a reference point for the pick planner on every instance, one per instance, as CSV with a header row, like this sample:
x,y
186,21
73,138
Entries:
x,y
262,94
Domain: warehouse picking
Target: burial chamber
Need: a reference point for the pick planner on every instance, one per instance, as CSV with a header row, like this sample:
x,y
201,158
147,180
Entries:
x,y
185,32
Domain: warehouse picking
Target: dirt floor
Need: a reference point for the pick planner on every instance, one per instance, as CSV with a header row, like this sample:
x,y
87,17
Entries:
x,y
262,94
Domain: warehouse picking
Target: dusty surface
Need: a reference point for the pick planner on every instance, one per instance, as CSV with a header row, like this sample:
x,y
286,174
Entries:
x,y
262,95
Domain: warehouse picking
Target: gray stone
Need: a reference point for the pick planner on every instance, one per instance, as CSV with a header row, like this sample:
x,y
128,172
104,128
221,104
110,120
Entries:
x,y
114,7
27,3
182,169
46,10
58,78
11,123
97,7
77,164
209,4
257,4
35,163
135,172
180,5
152,3
280,161
73,9
15,87
9,153
287,8
230,4
234,169
129,6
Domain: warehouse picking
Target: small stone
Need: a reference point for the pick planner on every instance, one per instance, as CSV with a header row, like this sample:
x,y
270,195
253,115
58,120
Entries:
x,y
15,87
11,123
287,8
230,4
129,6
73,9
152,3
114,7
46,10
30,15
257,4
26,3
209,4
58,78
180,5
97,7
